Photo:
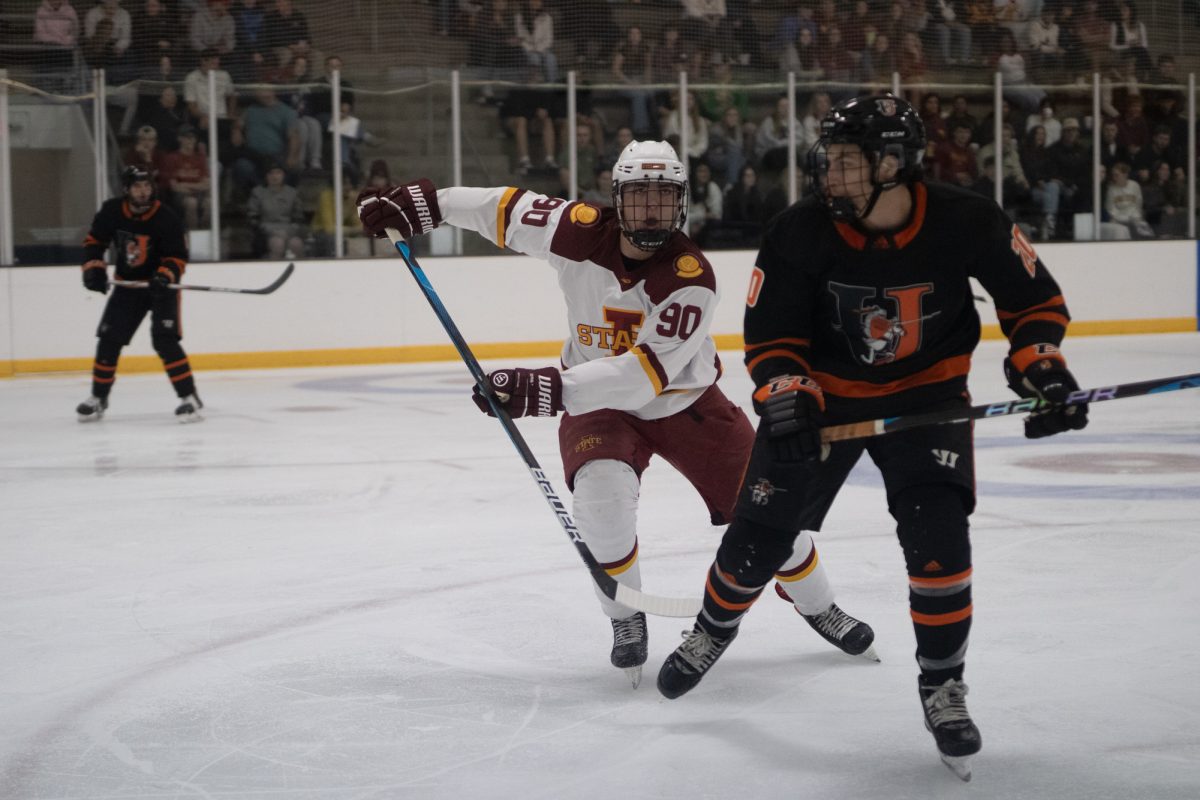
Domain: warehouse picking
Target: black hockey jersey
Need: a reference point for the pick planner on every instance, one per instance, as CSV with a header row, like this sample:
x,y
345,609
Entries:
x,y
886,323
141,242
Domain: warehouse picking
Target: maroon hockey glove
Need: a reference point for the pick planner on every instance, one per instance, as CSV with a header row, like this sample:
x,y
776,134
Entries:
x,y
1040,371
791,408
410,209
524,392
95,276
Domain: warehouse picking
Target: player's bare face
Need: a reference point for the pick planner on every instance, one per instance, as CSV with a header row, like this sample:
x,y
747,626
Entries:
x,y
140,194
849,174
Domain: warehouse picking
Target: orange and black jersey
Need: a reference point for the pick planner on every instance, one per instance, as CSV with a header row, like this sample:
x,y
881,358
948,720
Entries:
x,y
141,243
886,323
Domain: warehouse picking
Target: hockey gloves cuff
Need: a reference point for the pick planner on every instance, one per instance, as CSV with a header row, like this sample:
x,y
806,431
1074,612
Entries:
x,y
1040,371
791,408
411,209
524,392
95,276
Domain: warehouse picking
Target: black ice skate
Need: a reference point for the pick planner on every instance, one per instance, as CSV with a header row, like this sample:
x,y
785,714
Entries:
x,y
839,629
629,646
189,409
947,719
684,668
92,409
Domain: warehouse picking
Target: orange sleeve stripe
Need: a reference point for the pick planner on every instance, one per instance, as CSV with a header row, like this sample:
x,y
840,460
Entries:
x,y
502,214
1057,300
761,357
944,370
797,342
937,620
1028,355
946,581
725,604
1045,316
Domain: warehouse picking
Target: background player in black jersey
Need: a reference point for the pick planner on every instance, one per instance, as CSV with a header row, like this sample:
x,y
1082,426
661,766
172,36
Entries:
x,y
860,308
148,242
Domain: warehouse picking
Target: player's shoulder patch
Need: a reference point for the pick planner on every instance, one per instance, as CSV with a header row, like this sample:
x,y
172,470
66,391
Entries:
x,y
584,215
688,266
581,237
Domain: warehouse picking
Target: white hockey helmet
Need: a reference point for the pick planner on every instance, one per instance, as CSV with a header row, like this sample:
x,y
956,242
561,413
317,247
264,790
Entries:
x,y
642,166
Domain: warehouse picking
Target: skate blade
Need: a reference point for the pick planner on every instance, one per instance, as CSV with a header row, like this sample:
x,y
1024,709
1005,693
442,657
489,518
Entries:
x,y
187,419
635,675
870,654
959,765
89,417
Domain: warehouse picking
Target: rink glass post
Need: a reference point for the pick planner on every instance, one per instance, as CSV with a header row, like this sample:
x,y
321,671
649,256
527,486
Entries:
x,y
572,146
1191,150
6,220
335,150
684,124
792,142
998,136
1097,187
214,170
456,144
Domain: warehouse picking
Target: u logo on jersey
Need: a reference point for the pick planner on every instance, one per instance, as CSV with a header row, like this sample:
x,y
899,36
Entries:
x,y
881,329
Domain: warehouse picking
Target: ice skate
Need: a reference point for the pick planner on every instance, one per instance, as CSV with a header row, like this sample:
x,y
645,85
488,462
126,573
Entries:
x,y
189,409
947,719
92,409
629,646
839,629
684,668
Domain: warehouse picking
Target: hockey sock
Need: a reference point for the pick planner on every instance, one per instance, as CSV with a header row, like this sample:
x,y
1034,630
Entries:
x,y
104,368
605,508
802,577
175,362
746,561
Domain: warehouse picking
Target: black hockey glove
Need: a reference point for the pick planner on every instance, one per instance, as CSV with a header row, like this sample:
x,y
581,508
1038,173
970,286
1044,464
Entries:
x,y
163,277
1046,377
95,276
791,408
524,392
410,209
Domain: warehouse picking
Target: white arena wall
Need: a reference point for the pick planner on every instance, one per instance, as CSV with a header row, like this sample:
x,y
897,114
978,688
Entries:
x,y
371,311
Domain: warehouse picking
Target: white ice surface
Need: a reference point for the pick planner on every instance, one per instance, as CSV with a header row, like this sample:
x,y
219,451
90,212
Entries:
x,y
344,584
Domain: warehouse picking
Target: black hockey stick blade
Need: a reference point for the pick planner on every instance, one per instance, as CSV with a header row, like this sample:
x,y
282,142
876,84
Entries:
x,y
626,596
287,273
875,427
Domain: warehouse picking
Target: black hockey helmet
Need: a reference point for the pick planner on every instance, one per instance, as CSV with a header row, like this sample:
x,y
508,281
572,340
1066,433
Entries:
x,y
880,125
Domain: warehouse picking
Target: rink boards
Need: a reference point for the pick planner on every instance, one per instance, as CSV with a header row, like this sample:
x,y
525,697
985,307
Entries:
x,y
370,311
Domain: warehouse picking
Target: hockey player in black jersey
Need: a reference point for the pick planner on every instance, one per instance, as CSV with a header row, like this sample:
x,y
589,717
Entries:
x,y
148,243
860,308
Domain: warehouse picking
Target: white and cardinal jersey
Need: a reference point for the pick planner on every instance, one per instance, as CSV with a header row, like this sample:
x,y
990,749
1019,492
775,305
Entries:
x,y
638,339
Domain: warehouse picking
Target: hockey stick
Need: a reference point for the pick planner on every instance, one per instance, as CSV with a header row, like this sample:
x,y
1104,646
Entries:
x,y
287,273
860,430
626,596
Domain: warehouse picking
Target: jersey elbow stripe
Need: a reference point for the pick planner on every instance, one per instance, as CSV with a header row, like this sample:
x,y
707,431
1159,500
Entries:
x,y
504,211
938,620
761,357
1057,300
652,367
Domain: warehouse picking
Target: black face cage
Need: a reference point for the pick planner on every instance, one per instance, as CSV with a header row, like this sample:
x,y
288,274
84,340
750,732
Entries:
x,y
843,208
673,211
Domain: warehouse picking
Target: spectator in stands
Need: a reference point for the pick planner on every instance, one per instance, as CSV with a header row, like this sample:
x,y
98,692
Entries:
x,y
980,16
532,109
154,35
1045,118
953,34
1094,34
535,30
195,91
321,99
726,154
1128,35
56,23
166,116
600,192
144,152
1011,66
107,34
1123,202
183,179
1133,130
705,202
1162,105
299,96
212,28
495,46
1008,116
623,137
285,32
324,222
278,217
1048,54
1015,15
1044,187
670,56
631,66
960,114
746,38
1164,201
1118,85
771,140
587,161
352,133
252,54
589,31
693,122
1016,185
954,159
714,102
1072,168
802,55
706,32
836,62
1112,150
269,129
1074,60
855,29
910,63
1160,150
931,115
742,210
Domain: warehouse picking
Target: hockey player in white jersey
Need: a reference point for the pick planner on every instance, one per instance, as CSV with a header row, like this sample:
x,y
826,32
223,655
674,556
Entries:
x,y
639,369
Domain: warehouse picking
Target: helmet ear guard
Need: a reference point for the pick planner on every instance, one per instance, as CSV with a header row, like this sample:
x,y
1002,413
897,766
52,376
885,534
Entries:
x,y
643,166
